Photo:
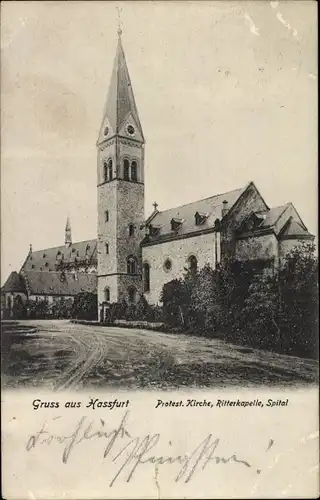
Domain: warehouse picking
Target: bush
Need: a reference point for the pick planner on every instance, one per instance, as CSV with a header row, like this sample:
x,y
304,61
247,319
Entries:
x,y
62,308
18,308
39,309
251,306
142,309
175,301
85,306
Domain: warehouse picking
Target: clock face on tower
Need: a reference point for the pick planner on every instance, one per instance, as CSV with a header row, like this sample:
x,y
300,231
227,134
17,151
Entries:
x,y
130,129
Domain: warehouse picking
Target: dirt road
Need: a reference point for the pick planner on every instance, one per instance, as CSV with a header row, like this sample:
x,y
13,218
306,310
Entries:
x,y
62,355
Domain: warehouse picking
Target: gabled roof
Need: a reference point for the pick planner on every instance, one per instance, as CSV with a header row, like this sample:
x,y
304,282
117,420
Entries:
x,y
293,228
211,206
54,283
45,260
14,283
271,216
284,221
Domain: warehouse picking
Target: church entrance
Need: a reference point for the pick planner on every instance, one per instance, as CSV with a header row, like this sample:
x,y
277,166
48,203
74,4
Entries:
x,y
132,295
104,313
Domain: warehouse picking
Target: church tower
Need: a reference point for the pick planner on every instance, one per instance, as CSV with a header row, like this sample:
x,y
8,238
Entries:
x,y
120,155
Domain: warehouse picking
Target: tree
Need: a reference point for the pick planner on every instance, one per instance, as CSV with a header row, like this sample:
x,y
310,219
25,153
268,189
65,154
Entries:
x,y
245,304
299,300
281,311
62,308
174,297
85,306
18,308
260,322
142,308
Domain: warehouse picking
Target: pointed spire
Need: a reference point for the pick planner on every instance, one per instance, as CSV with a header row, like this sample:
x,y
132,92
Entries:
x,y
68,237
120,105
119,22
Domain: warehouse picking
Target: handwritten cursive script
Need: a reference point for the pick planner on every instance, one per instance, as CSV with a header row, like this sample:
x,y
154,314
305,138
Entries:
x,y
132,452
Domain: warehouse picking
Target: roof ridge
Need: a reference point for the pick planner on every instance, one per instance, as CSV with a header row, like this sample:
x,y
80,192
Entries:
x,y
55,272
202,199
282,212
272,208
63,245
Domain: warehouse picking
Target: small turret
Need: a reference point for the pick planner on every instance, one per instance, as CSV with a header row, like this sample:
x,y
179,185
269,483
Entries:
x,y
68,237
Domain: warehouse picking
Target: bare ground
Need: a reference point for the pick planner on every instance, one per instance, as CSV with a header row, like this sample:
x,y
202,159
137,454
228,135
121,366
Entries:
x,y
61,355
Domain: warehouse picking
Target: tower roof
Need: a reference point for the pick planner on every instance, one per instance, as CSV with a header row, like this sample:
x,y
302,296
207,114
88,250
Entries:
x,y
68,224
120,105
68,237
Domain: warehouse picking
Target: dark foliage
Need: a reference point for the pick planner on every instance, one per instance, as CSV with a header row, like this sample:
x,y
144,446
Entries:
x,y
85,306
252,306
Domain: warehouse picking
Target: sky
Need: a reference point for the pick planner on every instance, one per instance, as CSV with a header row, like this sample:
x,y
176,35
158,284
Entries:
x,y
226,93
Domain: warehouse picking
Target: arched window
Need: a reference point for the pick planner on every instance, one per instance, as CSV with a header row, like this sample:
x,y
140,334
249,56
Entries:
x,y
110,169
107,294
9,302
132,295
106,216
126,166
131,265
105,171
131,230
193,263
107,248
134,171
146,277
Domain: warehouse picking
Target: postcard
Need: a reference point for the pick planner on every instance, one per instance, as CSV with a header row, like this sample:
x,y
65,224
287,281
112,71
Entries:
x,y
159,258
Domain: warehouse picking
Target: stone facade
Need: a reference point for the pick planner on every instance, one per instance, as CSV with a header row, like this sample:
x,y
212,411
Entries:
x,y
258,248
178,252
249,201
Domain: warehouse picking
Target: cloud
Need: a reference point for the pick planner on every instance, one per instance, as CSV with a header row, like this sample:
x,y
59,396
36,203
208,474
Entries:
x,y
252,26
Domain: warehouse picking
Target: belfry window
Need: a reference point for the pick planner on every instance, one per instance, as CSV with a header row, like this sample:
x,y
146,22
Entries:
x,y
107,248
105,171
126,167
110,170
131,230
134,171
131,265
146,277
106,216
107,294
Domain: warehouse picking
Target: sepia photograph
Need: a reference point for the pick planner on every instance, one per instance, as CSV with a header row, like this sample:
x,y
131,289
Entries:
x,y
189,290
159,206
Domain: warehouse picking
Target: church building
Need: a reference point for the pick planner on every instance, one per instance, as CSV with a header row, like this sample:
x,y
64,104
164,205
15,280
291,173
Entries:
x,y
135,255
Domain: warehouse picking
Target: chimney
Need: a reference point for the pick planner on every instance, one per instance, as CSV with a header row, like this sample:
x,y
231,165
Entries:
x,y
225,208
